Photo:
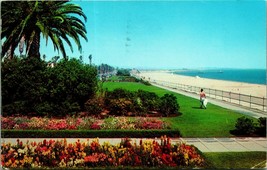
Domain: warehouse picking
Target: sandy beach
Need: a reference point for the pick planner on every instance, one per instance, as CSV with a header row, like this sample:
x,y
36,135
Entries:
x,y
257,90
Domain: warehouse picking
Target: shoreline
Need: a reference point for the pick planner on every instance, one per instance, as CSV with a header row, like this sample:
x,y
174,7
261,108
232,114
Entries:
x,y
257,90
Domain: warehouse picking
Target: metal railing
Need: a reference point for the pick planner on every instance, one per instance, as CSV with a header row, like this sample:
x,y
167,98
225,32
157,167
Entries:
x,y
236,98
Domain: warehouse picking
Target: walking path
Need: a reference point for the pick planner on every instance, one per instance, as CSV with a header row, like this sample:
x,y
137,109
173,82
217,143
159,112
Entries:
x,y
244,110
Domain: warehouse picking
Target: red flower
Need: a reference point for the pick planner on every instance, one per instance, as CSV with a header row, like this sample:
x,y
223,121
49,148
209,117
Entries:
x,y
166,159
91,158
137,161
95,126
51,142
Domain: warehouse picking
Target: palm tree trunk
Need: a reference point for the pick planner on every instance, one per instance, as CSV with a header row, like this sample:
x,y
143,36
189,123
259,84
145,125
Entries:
x,y
10,52
34,47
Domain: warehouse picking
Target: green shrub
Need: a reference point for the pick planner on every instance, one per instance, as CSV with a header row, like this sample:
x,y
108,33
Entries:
x,y
261,129
71,84
119,101
169,105
244,126
124,102
262,122
123,72
149,100
23,85
29,86
120,106
89,133
145,82
95,105
119,93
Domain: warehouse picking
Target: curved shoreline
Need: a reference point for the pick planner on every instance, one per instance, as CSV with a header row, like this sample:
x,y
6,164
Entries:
x,y
257,90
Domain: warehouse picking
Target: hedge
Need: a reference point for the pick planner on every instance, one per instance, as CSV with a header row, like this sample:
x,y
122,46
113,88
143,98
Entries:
x,y
89,133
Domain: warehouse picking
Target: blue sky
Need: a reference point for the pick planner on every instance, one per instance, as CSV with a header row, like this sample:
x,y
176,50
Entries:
x,y
173,34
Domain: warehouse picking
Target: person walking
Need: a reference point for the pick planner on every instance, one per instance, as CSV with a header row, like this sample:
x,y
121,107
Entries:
x,y
203,100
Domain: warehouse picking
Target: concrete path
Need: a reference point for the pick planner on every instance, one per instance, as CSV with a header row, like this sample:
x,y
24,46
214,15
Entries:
x,y
228,144
241,109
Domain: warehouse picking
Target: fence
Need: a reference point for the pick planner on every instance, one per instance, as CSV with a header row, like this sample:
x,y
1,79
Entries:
x,y
237,98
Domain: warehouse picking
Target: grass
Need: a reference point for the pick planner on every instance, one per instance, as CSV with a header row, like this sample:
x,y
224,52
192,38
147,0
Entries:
x,y
214,121
235,160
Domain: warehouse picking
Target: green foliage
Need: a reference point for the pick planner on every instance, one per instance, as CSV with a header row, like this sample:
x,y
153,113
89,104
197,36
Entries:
x,y
29,86
71,84
245,125
23,85
124,102
261,128
119,101
120,106
149,100
105,68
128,79
95,105
30,19
169,105
119,93
262,122
123,72
89,133
145,82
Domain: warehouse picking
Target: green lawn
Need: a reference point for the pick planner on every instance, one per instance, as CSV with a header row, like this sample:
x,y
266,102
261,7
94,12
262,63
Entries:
x,y
214,121
235,160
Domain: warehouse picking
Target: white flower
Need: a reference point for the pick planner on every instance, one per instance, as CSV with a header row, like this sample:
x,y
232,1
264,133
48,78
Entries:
x,y
21,151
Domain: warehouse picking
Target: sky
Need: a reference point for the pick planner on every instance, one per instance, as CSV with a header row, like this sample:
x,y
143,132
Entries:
x,y
172,34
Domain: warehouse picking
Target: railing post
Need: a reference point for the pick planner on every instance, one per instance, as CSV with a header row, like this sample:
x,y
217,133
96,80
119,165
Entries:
x,y
239,98
230,97
263,103
215,93
250,101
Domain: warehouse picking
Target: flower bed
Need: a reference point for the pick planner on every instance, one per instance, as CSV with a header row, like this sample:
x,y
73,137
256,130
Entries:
x,y
85,123
148,153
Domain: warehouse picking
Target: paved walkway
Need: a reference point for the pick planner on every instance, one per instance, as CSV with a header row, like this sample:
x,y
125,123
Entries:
x,y
244,110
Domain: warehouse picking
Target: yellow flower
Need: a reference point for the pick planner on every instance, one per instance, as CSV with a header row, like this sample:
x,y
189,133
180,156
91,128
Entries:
x,y
186,156
8,163
70,163
62,163
53,155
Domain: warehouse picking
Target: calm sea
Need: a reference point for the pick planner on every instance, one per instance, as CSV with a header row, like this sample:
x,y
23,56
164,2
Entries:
x,y
255,76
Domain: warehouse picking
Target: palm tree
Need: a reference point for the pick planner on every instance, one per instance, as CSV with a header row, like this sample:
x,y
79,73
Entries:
x,y
90,59
55,20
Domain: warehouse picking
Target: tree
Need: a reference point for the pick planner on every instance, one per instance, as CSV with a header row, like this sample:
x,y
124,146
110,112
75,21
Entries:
x,y
27,20
90,59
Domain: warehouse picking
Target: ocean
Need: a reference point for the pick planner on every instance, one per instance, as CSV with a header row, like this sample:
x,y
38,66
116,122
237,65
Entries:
x,y
254,76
